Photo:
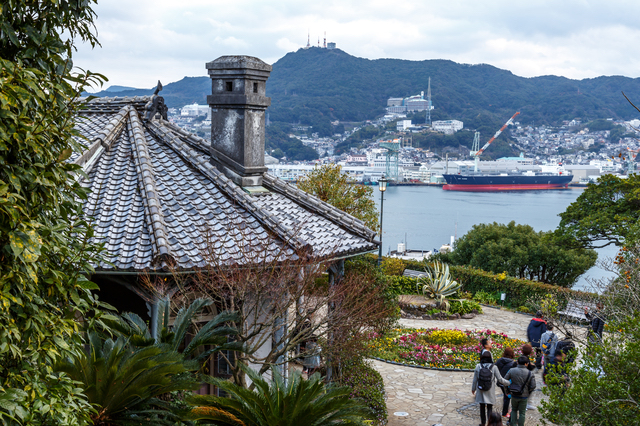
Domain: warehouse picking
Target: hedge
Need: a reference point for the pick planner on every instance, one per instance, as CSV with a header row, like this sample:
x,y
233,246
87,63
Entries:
x,y
518,291
366,384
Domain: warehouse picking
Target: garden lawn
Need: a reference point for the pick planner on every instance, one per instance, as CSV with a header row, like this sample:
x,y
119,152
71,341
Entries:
x,y
436,348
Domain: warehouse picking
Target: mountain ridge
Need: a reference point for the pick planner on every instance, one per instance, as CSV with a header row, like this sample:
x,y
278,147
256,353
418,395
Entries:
x,y
314,86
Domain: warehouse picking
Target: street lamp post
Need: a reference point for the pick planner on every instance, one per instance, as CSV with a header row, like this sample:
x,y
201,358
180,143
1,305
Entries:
x,y
382,186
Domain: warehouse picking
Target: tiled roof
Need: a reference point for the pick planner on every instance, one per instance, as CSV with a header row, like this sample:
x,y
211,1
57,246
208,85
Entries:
x,y
157,202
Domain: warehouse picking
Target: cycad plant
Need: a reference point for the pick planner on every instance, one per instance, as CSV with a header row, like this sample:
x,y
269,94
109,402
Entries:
x,y
214,334
123,382
124,377
438,283
297,402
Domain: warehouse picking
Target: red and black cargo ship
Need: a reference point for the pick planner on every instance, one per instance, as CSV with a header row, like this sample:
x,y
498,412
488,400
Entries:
x,y
506,182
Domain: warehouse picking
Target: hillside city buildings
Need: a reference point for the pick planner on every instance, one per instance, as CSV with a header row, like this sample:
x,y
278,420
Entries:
x,y
584,153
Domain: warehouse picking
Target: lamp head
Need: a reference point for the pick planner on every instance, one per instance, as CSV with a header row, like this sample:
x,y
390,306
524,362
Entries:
x,y
382,184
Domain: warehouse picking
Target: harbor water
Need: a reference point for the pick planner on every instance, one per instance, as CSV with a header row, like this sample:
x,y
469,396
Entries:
x,y
426,217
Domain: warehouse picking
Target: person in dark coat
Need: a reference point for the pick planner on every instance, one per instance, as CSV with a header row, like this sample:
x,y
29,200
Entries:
x,y
537,327
505,364
526,379
597,323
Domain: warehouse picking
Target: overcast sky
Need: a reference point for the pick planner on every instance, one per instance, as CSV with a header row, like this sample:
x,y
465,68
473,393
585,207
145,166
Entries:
x,y
144,40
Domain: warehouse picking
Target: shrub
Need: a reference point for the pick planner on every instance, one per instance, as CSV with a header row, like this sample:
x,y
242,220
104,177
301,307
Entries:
x,y
366,384
464,306
392,266
518,291
403,285
486,298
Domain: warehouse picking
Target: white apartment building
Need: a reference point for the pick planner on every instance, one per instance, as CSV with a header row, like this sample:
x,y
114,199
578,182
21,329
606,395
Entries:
x,y
447,127
195,110
403,125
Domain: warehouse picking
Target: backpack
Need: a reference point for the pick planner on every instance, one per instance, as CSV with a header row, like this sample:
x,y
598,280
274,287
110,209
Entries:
x,y
548,343
485,377
518,390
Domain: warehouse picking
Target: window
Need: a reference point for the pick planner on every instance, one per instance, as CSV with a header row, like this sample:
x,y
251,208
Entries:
x,y
229,86
255,87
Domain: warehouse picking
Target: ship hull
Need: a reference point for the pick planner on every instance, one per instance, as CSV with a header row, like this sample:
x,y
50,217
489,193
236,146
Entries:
x,y
499,183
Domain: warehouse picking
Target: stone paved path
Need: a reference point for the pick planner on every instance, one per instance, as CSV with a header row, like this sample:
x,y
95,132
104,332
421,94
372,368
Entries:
x,y
430,396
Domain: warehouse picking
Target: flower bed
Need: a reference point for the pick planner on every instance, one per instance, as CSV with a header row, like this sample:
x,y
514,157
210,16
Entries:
x,y
436,348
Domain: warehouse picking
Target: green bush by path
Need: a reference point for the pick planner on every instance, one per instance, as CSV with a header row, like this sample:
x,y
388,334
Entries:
x,y
366,384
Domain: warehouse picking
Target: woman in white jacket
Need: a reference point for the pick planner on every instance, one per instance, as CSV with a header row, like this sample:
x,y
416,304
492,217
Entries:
x,y
486,397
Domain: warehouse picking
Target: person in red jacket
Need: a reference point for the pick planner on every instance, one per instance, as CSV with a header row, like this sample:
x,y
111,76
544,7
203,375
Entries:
x,y
536,329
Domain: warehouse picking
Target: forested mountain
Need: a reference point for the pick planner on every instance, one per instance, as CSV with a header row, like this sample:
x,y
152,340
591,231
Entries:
x,y
335,85
316,86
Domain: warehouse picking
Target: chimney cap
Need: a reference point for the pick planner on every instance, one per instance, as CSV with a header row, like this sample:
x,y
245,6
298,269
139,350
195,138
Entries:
x,y
238,62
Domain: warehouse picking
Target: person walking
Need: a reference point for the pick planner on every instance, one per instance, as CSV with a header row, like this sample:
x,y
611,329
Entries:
x,y
523,382
548,343
527,350
485,376
505,364
486,348
535,330
597,323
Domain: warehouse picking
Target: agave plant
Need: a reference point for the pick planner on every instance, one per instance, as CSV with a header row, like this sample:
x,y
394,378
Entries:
x,y
297,402
438,284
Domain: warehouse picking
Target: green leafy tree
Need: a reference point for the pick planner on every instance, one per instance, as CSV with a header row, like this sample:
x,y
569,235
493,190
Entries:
x,y
329,184
603,389
605,213
44,255
296,402
521,252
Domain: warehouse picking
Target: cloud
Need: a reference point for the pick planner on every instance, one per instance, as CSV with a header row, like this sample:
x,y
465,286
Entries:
x,y
146,40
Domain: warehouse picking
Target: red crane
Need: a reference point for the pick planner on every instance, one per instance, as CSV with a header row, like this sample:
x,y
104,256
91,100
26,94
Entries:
x,y
481,150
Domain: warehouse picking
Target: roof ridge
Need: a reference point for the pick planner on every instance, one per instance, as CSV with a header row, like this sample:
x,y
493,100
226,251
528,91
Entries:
x,y
313,203
148,188
228,187
103,139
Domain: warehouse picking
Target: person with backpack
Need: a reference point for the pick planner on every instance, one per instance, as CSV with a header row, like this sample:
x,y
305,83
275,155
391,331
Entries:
x,y
535,330
548,343
567,347
523,382
558,366
505,364
484,377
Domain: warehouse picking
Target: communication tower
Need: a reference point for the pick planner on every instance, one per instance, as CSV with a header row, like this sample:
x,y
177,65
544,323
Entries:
x,y
308,40
429,107
325,40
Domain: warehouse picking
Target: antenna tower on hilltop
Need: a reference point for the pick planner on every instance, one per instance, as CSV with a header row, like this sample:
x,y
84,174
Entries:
x,y
325,40
428,118
308,39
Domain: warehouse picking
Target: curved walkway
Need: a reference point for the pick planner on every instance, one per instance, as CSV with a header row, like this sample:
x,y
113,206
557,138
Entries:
x,y
431,397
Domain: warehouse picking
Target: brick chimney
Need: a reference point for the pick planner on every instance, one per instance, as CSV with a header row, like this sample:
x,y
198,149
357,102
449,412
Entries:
x,y
238,105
